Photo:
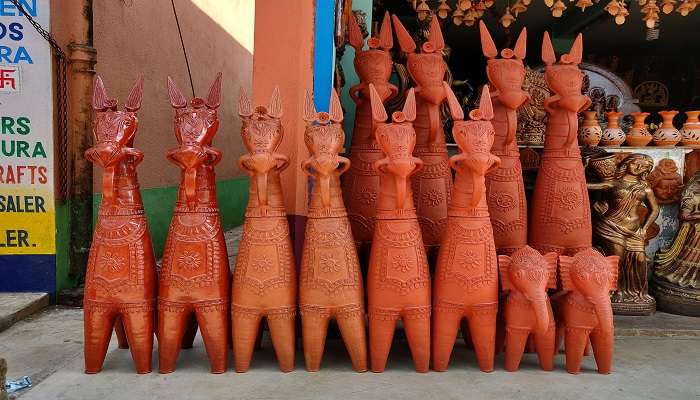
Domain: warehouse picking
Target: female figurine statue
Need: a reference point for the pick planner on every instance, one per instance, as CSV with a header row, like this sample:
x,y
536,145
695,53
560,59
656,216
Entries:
x,y
677,275
621,230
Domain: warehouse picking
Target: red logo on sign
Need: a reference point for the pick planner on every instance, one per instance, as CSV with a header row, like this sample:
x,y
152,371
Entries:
x,y
9,79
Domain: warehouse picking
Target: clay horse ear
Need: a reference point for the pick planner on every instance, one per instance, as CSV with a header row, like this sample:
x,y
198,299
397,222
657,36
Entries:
x,y
177,100
548,56
99,94
275,108
488,47
245,109
452,102
133,102
485,105
354,33
521,44
214,96
378,111
386,38
503,271
335,109
405,40
576,51
409,107
436,35
310,114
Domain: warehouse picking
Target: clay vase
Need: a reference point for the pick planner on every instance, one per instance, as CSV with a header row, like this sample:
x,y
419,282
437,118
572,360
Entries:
x,y
690,133
667,135
584,311
195,279
590,132
560,219
120,283
638,135
330,284
505,191
432,184
264,281
466,276
361,183
613,135
398,282
525,277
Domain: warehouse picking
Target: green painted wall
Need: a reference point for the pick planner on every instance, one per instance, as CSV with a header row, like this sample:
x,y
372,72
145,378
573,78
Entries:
x,y
159,203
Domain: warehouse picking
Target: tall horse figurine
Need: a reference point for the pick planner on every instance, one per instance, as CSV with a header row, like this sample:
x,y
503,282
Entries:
x,y
195,277
330,285
398,283
432,185
264,281
466,276
361,182
505,191
120,284
560,219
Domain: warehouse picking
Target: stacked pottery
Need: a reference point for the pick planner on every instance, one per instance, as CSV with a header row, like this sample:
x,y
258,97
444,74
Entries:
x,y
638,135
613,135
690,133
667,134
590,131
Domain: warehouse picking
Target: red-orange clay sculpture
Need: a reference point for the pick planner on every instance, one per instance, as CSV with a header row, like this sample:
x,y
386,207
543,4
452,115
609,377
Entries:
x,y
264,281
560,219
330,284
398,283
195,276
432,185
466,276
505,191
120,284
525,277
584,310
361,182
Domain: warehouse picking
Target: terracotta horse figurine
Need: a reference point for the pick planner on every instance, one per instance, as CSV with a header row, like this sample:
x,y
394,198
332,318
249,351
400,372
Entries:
x,y
264,281
195,277
398,283
505,191
432,185
466,276
120,284
361,182
561,213
330,285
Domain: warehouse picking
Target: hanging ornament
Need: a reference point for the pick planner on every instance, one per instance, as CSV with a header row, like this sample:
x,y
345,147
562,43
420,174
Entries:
x,y
470,17
423,10
458,16
507,19
464,5
653,32
558,9
479,8
518,8
527,2
641,2
685,8
549,3
582,4
667,6
443,10
489,3
613,7
622,14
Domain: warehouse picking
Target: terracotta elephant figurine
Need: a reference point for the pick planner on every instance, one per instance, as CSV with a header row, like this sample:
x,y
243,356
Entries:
x,y
120,284
525,277
330,282
584,310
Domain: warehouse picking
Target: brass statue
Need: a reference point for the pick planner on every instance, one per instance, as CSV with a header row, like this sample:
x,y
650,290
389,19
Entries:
x,y
624,217
677,274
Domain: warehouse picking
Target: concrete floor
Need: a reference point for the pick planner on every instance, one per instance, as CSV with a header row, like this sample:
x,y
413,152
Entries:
x,y
48,347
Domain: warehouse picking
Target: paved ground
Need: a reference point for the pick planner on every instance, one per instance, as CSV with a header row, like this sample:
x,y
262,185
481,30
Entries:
x,y
16,306
48,347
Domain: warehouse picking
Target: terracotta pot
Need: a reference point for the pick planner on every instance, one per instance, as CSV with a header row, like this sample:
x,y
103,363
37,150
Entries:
x,y
466,276
431,185
505,191
690,132
590,131
264,281
560,218
120,283
638,135
398,282
585,311
361,182
613,135
330,285
667,134
195,278
525,277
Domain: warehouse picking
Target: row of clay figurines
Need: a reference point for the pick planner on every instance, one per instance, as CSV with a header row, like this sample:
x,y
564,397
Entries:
x,y
590,132
194,280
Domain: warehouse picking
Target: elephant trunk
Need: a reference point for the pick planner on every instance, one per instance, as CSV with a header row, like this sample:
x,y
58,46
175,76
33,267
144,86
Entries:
x,y
325,184
261,180
605,315
542,314
191,185
400,191
478,188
